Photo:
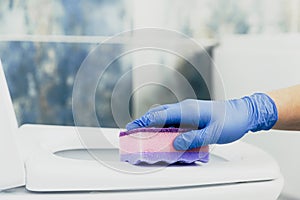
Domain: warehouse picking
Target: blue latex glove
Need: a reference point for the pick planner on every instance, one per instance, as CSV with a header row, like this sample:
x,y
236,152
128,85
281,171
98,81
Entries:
x,y
214,121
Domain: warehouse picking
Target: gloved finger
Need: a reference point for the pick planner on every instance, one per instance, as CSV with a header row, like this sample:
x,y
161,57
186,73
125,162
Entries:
x,y
133,125
157,119
146,119
159,108
167,117
191,139
139,123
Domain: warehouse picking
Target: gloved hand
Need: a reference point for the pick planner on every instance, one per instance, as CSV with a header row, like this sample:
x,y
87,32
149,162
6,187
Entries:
x,y
214,121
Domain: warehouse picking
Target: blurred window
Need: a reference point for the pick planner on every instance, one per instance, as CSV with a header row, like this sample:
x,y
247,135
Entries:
x,y
43,43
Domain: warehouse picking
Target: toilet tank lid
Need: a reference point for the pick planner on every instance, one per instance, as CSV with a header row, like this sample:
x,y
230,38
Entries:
x,y
12,170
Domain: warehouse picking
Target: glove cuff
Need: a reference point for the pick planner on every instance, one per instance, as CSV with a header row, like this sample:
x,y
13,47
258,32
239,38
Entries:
x,y
264,111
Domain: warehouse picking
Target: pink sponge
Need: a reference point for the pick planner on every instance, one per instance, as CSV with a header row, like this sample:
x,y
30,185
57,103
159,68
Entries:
x,y
152,145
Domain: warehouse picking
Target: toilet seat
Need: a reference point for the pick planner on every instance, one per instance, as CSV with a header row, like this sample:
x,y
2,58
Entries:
x,y
48,172
235,171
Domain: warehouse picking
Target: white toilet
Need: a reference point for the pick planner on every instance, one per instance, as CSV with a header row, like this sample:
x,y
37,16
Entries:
x,y
51,162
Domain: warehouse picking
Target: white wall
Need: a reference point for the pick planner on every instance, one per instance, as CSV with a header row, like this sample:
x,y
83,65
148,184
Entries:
x,y
249,64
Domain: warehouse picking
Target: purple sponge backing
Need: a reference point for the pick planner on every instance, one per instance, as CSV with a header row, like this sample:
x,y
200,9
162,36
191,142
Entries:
x,y
168,157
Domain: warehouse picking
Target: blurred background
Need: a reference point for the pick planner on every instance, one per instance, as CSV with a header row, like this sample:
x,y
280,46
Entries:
x,y
255,45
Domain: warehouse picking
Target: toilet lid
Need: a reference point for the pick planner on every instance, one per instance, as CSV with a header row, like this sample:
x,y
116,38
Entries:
x,y
65,168
12,171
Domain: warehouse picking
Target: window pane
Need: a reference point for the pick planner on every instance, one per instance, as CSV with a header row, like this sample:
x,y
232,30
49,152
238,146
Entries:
x,y
64,17
41,75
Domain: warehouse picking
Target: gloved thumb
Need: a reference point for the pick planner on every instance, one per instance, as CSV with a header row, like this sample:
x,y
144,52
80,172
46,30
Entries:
x,y
191,139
